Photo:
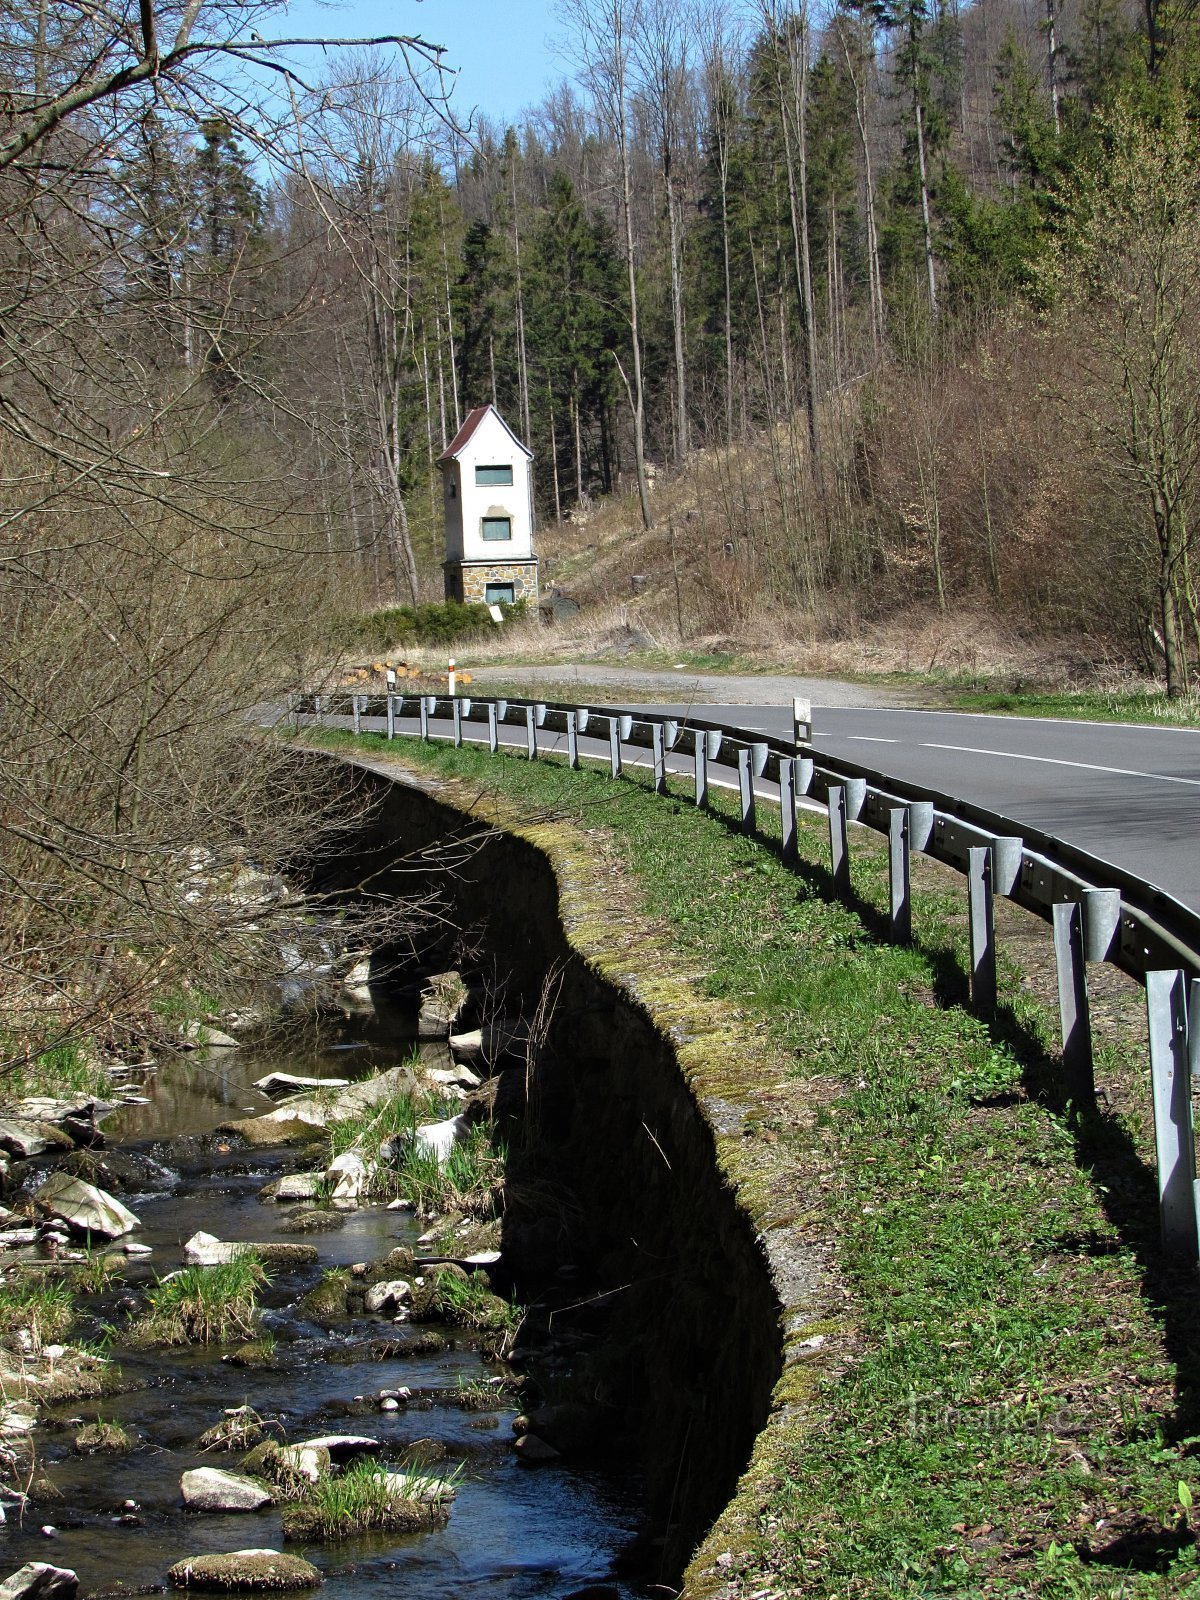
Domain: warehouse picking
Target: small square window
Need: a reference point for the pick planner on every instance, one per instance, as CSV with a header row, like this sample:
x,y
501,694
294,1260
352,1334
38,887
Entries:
x,y
501,472
497,527
498,594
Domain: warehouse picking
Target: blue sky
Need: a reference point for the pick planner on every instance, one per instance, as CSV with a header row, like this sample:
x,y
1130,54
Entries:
x,y
502,48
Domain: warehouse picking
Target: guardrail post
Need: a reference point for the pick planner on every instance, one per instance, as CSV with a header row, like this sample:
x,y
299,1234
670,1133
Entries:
x,y
839,843
530,734
1171,1080
572,741
493,730
787,806
1101,923
983,930
804,774
658,748
1008,851
318,707
900,874
423,710
700,746
746,788
391,716
355,713
456,712
1073,1010
614,746
920,824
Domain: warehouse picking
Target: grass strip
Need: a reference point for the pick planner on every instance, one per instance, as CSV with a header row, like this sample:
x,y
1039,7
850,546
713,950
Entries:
x,y
1005,1401
1145,707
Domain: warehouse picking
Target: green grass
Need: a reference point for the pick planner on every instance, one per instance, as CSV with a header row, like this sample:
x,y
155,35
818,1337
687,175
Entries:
x,y
92,1275
1020,1368
203,1305
43,1305
469,1303
57,1070
467,1180
393,1118
360,1499
1147,706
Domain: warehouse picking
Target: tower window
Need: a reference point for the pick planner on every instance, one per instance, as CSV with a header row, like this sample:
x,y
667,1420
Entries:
x,y
498,473
497,527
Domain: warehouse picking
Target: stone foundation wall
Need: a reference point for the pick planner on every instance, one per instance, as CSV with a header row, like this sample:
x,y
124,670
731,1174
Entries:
x,y
467,581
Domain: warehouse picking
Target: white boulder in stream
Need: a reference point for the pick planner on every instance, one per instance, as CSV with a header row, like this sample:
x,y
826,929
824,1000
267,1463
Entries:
x,y
37,1580
209,1489
206,1250
306,1460
440,1137
350,1177
84,1207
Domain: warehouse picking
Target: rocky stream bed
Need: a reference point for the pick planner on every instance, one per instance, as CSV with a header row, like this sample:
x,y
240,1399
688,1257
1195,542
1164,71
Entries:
x,y
361,1362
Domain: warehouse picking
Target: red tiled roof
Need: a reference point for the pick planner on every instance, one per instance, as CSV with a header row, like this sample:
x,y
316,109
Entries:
x,y
463,436
474,418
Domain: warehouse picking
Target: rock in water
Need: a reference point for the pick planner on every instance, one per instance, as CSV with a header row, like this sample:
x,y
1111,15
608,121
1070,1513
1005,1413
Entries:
x,y
208,1489
530,1448
244,1572
205,1250
382,1296
305,1460
25,1138
443,1000
350,1177
37,1580
278,1084
86,1208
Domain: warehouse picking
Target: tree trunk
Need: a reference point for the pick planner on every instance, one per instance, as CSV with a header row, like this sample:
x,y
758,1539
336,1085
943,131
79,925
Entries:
x,y
793,115
858,82
683,444
522,358
637,396
919,123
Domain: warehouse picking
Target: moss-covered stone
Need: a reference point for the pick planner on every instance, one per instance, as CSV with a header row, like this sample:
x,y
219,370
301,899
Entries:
x,y
315,1220
327,1300
244,1572
303,1523
101,1438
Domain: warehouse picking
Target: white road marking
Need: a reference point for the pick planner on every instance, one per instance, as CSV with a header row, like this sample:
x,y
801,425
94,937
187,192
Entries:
x,y
1057,761
868,738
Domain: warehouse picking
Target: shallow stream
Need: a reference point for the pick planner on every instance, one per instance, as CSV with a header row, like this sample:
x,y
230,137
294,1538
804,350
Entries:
x,y
514,1530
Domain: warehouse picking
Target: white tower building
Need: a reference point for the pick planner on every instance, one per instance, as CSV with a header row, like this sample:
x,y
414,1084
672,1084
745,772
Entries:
x,y
487,494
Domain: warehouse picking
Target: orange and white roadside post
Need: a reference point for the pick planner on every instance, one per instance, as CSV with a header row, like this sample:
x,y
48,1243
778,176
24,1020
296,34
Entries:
x,y
453,677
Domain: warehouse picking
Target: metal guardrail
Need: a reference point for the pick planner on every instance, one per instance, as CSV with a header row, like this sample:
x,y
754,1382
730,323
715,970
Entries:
x,y
1097,911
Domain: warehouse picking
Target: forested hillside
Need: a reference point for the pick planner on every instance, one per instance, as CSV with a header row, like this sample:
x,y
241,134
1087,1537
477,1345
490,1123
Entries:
x,y
853,310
